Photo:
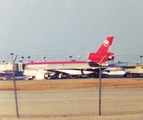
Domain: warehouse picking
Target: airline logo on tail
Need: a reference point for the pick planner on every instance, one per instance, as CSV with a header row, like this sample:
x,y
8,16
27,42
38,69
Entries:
x,y
102,54
106,43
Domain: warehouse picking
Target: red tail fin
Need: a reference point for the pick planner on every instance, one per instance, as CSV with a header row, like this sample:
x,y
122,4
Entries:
x,y
102,52
105,45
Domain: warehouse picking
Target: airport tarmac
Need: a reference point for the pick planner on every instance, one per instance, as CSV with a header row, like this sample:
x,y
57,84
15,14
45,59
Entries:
x,y
117,103
62,84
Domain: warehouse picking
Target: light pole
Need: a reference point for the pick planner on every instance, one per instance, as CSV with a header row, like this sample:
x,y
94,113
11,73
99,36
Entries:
x,y
3,61
44,59
22,59
29,58
141,59
70,57
12,56
79,57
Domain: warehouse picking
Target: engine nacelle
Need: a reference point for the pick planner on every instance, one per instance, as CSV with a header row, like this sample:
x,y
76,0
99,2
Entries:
x,y
42,76
110,57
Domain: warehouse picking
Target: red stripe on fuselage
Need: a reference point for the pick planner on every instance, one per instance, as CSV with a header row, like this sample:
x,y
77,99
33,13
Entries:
x,y
61,62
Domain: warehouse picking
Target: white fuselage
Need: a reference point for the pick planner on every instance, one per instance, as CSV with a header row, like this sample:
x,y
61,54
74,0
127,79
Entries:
x,y
68,67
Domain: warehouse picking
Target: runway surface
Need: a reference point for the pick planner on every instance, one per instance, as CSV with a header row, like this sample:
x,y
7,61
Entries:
x,y
64,103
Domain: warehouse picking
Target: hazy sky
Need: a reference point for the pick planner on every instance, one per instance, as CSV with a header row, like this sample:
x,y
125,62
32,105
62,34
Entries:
x,y
59,28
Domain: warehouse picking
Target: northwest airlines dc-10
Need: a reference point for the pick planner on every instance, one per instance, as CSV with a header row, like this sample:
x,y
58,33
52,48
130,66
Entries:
x,y
72,69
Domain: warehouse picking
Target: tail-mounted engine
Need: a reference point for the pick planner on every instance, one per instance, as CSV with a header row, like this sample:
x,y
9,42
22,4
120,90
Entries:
x,y
111,57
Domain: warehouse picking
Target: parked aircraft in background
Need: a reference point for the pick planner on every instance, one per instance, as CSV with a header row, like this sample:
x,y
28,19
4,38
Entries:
x,y
2,75
114,72
72,69
8,75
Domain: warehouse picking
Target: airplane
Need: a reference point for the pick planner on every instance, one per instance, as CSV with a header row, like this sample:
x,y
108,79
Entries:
x,y
8,75
71,69
114,72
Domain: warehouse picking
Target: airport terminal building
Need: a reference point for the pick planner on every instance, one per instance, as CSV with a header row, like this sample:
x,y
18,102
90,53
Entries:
x,y
9,66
